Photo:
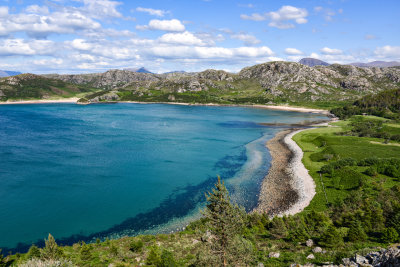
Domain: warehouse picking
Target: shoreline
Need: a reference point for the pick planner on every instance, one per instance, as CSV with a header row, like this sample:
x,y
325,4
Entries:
x,y
271,107
42,101
288,188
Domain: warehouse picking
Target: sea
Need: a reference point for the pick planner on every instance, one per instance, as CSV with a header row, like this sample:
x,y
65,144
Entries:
x,y
87,172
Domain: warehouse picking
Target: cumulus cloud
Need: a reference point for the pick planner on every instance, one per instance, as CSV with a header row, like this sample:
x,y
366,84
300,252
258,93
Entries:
x,y
38,9
248,39
151,11
210,52
172,25
388,52
184,38
293,51
281,18
331,51
21,47
3,11
101,9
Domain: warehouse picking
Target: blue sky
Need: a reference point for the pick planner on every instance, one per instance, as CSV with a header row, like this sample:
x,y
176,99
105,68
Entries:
x,y
80,36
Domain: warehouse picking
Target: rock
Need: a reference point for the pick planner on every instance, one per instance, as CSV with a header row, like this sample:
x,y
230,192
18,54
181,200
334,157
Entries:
x,y
309,243
310,257
274,254
207,237
195,241
260,264
360,259
317,250
171,98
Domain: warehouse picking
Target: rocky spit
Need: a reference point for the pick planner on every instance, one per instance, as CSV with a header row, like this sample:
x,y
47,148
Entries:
x,y
277,192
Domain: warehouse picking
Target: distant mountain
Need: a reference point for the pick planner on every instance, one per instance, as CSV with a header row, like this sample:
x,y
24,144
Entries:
x,y
140,70
6,73
311,62
379,64
176,71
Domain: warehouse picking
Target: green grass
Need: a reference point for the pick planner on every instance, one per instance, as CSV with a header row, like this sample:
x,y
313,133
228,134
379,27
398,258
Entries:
x,y
317,143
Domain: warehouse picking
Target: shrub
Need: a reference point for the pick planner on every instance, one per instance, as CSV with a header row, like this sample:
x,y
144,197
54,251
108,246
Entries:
x,y
331,238
390,235
33,252
371,171
356,232
136,246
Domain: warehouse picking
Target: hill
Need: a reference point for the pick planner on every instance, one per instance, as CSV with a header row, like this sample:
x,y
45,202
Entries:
x,y
6,73
31,86
384,104
267,83
311,62
379,64
140,70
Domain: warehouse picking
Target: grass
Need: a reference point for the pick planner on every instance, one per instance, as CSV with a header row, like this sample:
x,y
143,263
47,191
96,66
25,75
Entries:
x,y
319,142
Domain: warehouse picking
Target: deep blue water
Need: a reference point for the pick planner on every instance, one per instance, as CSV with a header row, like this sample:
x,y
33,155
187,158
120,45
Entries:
x,y
82,172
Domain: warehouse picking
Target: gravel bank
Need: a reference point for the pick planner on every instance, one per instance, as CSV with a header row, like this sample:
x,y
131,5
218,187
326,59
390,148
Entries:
x,y
288,188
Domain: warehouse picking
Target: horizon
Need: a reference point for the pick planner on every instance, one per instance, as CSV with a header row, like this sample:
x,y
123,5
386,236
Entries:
x,y
90,36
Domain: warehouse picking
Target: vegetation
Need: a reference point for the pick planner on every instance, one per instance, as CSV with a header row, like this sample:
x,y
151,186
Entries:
x,y
384,104
30,86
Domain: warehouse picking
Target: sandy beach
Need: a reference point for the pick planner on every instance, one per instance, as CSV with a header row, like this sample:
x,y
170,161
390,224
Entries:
x,y
41,101
288,188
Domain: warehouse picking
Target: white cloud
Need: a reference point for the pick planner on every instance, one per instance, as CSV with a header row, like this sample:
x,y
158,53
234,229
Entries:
x,y
172,25
254,16
187,52
248,39
388,52
21,47
331,51
151,11
80,44
293,51
281,18
3,11
38,9
101,9
184,38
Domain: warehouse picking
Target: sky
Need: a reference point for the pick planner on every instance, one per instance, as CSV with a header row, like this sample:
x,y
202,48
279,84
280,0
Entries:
x,y
84,36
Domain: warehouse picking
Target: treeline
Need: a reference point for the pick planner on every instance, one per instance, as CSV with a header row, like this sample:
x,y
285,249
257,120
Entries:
x,y
384,104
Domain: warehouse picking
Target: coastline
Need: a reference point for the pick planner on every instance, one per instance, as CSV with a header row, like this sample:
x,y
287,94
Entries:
x,y
41,101
75,100
288,188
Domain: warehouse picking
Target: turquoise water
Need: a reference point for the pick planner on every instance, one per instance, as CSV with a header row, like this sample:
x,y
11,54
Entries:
x,y
82,172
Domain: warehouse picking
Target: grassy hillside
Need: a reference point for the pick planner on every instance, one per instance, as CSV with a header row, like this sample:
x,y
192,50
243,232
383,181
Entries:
x,y
30,86
385,104
360,177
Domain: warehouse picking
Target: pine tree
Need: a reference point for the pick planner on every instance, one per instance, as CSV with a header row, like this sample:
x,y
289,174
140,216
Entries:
x,y
225,222
51,249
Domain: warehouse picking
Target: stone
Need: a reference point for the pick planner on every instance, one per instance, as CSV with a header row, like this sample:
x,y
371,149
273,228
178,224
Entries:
x,y
360,259
274,255
309,243
310,257
317,250
260,264
171,98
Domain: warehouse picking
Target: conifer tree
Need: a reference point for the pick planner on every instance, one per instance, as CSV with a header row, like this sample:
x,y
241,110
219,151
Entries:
x,y
51,249
225,222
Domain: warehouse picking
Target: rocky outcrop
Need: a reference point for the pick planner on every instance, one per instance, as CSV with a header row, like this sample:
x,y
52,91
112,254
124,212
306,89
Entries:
x,y
107,80
287,80
384,258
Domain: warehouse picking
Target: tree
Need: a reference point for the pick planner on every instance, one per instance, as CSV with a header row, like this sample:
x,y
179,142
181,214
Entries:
x,y
225,221
33,252
356,232
51,250
331,238
390,235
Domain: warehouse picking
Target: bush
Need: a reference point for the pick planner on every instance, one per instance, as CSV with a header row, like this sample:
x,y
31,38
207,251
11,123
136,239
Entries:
x,y
346,178
356,232
136,246
371,171
390,235
331,238
33,252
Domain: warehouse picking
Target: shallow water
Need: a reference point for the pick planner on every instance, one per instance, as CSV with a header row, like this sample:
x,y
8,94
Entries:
x,y
82,172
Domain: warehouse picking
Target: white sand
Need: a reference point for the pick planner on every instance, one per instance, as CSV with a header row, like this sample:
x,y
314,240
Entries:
x,y
41,101
301,181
